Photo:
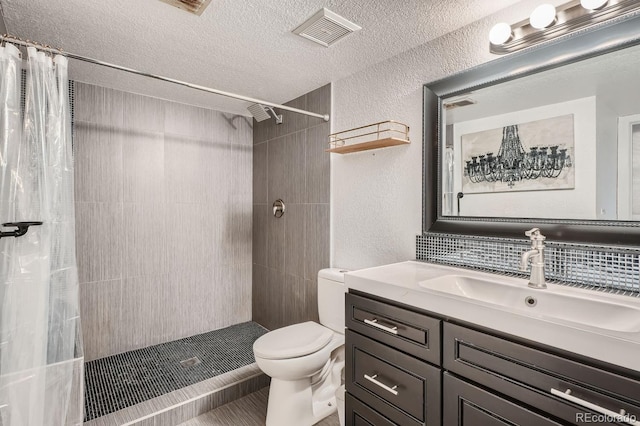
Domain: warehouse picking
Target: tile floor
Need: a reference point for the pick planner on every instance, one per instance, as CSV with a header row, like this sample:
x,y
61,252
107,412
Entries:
x,y
125,380
184,404
248,411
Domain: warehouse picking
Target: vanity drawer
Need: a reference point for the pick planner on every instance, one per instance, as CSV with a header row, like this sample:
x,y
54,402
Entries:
x,y
401,387
411,332
467,405
358,414
537,378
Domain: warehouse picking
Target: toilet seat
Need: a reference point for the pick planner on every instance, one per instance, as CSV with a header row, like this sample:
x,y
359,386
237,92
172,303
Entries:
x,y
293,341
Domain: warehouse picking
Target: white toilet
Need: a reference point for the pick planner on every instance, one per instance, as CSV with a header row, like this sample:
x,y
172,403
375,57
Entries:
x,y
305,361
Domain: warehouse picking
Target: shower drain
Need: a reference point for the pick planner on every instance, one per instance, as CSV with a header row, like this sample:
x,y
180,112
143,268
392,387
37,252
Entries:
x,y
190,362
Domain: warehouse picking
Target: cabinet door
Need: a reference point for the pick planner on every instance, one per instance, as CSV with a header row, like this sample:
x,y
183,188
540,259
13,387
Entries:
x,y
467,405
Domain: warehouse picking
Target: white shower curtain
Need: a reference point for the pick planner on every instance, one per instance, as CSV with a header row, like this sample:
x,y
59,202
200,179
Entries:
x,y
41,363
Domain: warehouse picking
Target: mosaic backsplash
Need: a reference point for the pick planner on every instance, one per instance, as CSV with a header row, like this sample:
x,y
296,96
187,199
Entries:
x,y
611,269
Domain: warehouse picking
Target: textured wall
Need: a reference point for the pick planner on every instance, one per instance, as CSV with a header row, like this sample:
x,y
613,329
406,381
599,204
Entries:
x,y
163,212
289,163
377,195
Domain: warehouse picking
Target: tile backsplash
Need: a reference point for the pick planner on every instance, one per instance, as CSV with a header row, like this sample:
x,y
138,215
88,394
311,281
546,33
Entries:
x,y
611,269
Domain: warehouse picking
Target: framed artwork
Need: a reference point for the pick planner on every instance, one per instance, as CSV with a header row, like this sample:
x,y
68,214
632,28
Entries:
x,y
529,156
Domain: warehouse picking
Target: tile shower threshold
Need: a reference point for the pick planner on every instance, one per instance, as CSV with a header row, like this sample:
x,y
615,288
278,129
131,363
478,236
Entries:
x,y
189,402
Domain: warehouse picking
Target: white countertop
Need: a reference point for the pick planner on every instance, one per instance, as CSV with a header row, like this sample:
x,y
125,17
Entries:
x,y
400,282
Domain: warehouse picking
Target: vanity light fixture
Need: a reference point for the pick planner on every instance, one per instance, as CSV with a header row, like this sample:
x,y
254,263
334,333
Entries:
x,y
593,4
548,22
500,33
543,16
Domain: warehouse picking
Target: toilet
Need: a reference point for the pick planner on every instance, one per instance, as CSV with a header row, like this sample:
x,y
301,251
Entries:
x,y
305,361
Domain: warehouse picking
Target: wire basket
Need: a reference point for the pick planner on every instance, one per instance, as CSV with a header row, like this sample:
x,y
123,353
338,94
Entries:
x,y
372,136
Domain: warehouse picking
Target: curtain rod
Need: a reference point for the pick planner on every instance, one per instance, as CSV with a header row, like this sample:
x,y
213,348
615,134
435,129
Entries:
x,y
15,40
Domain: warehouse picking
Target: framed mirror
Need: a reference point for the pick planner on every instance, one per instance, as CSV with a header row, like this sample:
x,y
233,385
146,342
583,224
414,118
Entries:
x,y
547,137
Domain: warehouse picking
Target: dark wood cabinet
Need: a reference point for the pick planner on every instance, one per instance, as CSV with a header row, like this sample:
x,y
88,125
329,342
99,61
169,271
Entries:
x,y
540,379
403,388
407,367
392,364
412,332
468,405
359,414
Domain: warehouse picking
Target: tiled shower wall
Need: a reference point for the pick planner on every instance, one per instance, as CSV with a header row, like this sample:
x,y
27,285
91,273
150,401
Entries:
x,y
289,163
163,219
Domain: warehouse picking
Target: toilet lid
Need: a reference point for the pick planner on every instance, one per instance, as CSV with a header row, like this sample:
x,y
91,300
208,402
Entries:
x,y
292,341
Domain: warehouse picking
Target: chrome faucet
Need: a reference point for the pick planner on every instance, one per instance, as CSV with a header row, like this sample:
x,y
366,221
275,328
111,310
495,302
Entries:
x,y
536,257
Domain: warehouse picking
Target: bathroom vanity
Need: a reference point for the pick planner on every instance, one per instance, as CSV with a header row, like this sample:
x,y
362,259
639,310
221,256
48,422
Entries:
x,y
428,344
422,349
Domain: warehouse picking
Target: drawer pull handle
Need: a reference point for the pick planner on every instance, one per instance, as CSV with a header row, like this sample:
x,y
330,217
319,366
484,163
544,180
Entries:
x,y
373,380
374,322
622,416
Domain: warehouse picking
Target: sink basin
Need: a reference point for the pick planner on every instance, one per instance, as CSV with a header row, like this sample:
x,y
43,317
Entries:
x,y
552,303
594,324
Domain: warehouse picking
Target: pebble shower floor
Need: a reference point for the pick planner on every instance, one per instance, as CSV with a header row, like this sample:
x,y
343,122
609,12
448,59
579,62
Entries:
x,y
126,379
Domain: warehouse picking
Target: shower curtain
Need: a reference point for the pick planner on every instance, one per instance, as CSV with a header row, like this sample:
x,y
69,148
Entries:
x,y
41,362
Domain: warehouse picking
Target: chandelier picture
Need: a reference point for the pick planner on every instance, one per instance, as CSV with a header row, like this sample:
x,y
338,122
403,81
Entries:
x,y
513,163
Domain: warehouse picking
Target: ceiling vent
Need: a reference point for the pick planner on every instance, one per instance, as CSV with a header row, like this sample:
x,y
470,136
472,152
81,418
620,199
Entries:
x,y
326,27
459,103
192,6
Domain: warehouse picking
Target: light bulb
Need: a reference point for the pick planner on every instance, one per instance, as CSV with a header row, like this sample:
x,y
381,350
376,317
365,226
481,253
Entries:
x,y
593,4
543,16
500,33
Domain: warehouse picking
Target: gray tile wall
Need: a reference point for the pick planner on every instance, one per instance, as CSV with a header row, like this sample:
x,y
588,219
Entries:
x,y
290,162
164,216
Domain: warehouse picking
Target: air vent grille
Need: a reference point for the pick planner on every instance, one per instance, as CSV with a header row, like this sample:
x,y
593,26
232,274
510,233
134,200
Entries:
x,y
459,103
326,27
192,6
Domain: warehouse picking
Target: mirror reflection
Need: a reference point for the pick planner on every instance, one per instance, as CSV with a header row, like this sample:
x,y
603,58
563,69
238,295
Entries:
x,y
560,144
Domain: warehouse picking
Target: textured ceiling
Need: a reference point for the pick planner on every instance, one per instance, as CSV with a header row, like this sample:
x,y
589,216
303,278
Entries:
x,y
238,46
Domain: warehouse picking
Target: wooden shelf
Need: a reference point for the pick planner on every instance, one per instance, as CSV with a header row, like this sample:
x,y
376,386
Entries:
x,y
364,146
372,136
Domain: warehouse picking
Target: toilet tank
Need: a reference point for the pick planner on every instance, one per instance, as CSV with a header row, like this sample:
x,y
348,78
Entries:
x,y
331,291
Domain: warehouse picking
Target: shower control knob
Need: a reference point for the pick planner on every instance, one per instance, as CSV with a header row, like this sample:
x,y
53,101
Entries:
x,y
278,208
